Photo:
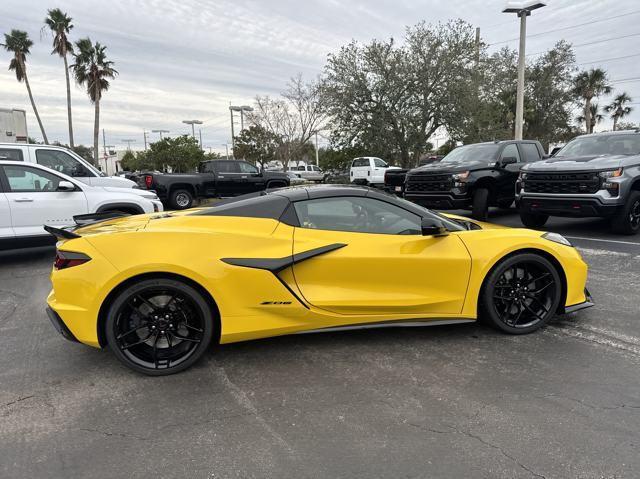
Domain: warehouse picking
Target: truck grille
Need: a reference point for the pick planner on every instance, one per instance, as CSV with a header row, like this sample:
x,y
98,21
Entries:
x,y
394,179
427,183
562,183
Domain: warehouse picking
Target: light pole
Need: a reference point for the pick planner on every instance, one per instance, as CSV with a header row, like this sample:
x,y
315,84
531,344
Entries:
x,y
160,131
128,142
241,109
192,123
523,9
226,145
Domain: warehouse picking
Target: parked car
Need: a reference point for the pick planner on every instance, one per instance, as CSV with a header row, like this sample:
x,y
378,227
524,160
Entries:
x,y
369,170
310,173
215,179
596,175
394,178
160,307
473,176
63,161
295,179
32,196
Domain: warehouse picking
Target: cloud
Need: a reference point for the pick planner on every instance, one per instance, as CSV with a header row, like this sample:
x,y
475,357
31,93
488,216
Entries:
x,y
189,59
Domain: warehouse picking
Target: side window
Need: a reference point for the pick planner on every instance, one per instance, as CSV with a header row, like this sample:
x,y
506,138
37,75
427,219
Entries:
x,y
30,180
379,163
227,167
11,154
511,151
62,162
357,215
530,152
248,168
315,168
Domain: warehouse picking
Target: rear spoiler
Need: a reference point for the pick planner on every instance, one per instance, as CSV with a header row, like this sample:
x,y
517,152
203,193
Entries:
x,y
82,220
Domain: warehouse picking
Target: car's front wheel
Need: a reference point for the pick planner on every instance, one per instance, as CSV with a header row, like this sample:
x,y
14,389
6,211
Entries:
x,y
521,293
480,207
533,220
626,221
159,326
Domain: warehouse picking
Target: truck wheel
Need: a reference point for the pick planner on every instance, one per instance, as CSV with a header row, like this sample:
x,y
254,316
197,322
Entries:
x,y
533,220
181,199
480,209
626,221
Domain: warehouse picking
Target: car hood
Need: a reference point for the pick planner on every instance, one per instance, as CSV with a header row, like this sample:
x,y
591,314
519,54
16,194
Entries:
x,y
482,224
132,191
576,163
450,167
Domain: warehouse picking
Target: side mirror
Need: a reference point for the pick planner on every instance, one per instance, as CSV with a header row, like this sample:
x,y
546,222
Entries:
x,y
433,227
508,160
66,186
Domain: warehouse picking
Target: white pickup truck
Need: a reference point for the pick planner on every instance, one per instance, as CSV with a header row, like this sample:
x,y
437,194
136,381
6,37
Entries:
x,y
369,170
63,161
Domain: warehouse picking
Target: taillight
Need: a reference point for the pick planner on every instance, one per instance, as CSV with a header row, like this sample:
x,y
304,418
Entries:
x,y
148,180
68,259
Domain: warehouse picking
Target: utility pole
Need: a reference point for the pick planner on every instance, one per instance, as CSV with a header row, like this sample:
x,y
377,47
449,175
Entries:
x,y
144,134
128,142
477,56
226,145
200,133
523,10
233,136
104,143
317,163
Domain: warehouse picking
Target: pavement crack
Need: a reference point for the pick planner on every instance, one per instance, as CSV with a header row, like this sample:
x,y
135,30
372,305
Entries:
x,y
591,406
19,400
115,434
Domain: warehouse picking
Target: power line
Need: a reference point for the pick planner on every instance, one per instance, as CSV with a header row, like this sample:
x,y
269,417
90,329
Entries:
x,y
592,43
610,59
623,80
567,27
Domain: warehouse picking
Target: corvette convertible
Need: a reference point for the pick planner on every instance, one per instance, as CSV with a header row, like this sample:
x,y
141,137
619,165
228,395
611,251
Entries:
x,y
161,289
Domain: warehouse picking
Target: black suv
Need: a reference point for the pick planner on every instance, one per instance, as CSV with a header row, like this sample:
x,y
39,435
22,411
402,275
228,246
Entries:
x,y
473,176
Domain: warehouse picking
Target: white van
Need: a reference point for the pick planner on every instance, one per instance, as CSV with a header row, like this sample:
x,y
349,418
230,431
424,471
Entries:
x,y
63,161
369,170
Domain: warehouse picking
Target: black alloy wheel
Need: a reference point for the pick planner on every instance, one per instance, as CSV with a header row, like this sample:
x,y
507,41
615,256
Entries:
x,y
522,293
627,219
159,326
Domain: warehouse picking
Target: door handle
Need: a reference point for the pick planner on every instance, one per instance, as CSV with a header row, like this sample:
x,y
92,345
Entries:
x,y
23,200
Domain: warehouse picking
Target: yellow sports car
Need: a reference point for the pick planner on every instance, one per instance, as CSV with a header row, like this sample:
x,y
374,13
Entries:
x,y
160,289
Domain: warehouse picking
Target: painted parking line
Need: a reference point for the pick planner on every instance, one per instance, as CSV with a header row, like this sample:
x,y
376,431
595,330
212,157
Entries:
x,y
581,238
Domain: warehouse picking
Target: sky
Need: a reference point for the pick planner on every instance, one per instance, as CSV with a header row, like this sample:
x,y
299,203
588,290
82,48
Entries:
x,y
193,58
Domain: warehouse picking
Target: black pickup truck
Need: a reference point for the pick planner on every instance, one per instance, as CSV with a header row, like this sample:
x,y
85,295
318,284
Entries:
x,y
394,179
473,176
215,179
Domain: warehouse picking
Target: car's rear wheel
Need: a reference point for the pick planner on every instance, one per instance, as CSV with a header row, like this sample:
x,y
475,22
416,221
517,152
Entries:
x,y
480,205
521,293
181,199
626,221
159,326
533,220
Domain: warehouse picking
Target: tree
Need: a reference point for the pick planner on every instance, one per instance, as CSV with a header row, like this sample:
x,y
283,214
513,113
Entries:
x,y
394,97
618,109
180,154
594,117
60,25
291,119
85,152
18,43
129,162
590,84
257,145
92,70
625,125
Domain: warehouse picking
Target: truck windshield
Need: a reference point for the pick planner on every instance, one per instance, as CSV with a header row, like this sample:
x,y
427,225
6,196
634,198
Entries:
x,y
480,152
628,144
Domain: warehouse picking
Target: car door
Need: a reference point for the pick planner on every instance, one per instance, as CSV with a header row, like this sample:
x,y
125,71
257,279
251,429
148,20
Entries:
x,y
250,178
379,262
6,230
228,177
34,200
379,169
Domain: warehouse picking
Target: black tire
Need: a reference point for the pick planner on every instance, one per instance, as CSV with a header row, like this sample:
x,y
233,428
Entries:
x,y
181,199
480,207
521,294
626,221
533,220
276,184
159,326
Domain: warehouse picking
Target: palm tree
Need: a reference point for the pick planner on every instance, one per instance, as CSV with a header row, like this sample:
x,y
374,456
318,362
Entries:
x,y
92,70
18,43
60,25
590,84
594,117
618,109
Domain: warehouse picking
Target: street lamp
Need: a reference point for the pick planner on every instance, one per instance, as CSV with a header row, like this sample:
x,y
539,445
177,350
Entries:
x,y
128,142
226,145
192,123
160,131
241,109
523,9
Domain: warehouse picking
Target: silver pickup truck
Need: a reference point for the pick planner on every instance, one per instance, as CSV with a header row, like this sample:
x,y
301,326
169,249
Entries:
x,y
596,175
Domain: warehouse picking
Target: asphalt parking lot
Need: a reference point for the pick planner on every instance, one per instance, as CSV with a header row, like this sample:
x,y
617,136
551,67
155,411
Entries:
x,y
446,401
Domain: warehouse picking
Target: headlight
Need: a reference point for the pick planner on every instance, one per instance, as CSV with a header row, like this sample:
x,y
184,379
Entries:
x,y
461,176
611,173
557,238
523,175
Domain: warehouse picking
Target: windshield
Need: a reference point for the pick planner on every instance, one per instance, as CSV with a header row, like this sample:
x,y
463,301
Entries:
x,y
602,145
480,152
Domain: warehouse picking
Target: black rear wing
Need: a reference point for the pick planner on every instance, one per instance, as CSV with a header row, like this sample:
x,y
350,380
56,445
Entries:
x,y
82,220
